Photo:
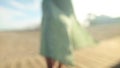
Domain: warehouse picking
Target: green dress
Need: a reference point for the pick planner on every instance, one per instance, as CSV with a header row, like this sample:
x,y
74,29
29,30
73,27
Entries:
x,y
61,32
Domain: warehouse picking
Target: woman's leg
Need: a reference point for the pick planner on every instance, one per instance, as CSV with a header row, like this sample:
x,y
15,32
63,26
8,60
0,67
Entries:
x,y
50,62
60,65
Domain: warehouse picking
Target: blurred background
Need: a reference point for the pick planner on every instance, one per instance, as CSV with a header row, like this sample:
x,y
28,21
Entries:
x,y
20,33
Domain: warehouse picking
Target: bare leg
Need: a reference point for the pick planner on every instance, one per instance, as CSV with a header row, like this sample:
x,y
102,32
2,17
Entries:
x,y
60,65
50,62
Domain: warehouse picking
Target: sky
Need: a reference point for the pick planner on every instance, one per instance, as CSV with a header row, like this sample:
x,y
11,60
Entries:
x,y
22,14
97,7
19,14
